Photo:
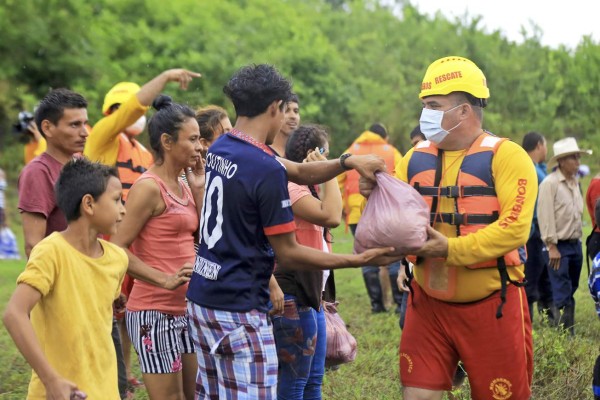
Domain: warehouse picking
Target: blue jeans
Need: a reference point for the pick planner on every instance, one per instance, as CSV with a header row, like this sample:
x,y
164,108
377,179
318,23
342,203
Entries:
x,y
300,337
538,285
565,280
392,269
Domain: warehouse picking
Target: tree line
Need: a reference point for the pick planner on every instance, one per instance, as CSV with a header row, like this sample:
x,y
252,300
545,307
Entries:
x,y
352,62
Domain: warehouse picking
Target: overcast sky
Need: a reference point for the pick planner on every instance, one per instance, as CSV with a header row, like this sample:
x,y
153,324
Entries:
x,y
561,22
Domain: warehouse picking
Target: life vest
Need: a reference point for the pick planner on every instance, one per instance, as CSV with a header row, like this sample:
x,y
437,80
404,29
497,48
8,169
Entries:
x,y
383,150
133,159
475,201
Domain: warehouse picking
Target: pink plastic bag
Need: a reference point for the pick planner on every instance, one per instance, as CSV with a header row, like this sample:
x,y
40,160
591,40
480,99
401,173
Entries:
x,y
395,215
341,345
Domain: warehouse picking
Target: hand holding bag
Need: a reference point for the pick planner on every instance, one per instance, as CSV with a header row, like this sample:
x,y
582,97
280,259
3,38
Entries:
x,y
396,215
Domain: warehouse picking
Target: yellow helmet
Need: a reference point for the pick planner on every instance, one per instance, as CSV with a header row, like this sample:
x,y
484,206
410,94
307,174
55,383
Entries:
x,y
454,74
118,94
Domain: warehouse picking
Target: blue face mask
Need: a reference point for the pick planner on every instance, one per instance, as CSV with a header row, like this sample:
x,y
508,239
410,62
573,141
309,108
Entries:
x,y
431,124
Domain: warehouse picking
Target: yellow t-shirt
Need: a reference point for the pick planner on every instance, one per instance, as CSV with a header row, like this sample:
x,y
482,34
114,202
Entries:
x,y
103,143
451,279
73,319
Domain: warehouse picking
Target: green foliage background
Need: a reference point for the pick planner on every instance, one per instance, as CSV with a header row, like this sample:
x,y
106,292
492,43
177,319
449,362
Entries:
x,y
352,62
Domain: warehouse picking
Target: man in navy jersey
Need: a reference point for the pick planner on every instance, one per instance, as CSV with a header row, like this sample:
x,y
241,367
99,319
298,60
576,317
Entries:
x,y
246,220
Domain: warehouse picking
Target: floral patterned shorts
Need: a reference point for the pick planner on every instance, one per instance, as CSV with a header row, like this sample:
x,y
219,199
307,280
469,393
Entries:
x,y
159,340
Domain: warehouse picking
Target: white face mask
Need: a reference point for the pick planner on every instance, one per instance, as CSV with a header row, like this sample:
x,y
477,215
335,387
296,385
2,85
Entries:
x,y
431,124
137,127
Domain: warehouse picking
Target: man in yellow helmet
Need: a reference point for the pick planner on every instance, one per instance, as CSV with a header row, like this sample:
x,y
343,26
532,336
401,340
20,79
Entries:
x,y
113,138
468,303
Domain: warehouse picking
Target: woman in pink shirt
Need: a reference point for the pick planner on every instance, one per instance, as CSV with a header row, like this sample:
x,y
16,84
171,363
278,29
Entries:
x,y
160,228
300,331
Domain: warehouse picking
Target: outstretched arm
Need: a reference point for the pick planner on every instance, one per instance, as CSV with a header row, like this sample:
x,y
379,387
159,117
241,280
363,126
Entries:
x,y
102,145
319,172
151,89
292,255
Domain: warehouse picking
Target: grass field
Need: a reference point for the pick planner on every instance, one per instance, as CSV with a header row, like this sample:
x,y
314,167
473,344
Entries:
x,y
563,366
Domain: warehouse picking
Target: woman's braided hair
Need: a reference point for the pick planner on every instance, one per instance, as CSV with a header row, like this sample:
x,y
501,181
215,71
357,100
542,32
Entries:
x,y
305,138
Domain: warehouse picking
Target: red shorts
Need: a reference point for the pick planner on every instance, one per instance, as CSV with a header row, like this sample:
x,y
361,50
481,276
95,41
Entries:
x,y
497,352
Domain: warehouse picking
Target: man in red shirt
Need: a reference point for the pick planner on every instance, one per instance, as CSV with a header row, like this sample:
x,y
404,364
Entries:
x,y
61,118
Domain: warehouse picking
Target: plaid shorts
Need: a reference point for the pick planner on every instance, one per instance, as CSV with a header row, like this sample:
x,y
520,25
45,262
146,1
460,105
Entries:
x,y
237,358
159,340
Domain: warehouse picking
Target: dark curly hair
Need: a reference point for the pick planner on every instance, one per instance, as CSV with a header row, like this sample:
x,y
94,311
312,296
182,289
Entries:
x,y
306,137
254,87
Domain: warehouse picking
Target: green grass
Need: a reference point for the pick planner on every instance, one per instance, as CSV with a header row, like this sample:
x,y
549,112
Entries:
x,y
563,366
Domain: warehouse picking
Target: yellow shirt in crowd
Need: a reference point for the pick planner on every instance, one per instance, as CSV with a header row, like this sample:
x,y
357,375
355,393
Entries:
x,y
33,149
103,143
73,319
452,279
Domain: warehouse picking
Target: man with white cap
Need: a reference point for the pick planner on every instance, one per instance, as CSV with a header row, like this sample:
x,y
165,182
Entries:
x,y
560,210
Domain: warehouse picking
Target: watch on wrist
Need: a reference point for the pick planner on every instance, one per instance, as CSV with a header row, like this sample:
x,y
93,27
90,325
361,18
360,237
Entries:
x,y
343,161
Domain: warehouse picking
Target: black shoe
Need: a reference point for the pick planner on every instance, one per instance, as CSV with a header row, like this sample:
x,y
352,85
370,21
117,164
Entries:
x,y
551,313
378,308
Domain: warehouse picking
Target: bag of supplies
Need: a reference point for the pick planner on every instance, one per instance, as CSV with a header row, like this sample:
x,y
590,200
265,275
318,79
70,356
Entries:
x,y
341,345
395,215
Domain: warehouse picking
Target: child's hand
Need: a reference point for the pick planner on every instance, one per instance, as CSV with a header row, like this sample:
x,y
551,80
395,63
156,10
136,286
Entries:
x,y
119,304
60,389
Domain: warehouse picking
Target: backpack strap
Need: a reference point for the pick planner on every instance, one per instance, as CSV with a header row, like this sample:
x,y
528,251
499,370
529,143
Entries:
x,y
504,281
437,180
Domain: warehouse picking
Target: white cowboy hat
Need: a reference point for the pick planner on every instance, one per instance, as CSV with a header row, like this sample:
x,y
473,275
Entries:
x,y
563,148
